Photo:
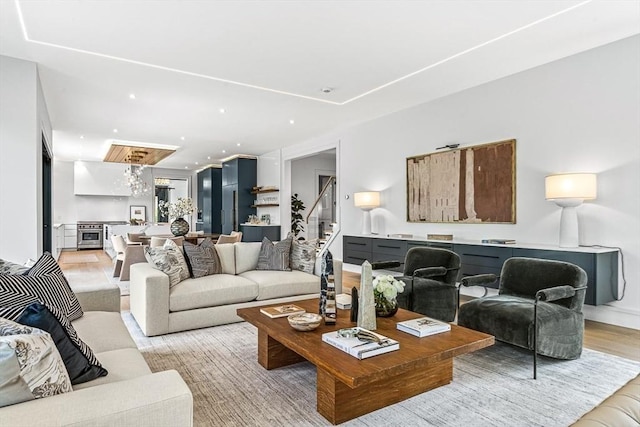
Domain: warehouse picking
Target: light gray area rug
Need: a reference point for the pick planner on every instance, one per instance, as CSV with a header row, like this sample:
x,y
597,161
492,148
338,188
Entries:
x,y
491,387
123,285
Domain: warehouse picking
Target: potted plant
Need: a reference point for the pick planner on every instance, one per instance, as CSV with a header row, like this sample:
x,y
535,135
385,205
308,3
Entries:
x,y
297,206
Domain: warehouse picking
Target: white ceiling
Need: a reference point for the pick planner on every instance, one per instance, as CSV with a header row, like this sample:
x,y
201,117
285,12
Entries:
x,y
265,63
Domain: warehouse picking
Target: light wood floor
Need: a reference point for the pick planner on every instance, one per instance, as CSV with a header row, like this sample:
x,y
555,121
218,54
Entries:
x,y
88,266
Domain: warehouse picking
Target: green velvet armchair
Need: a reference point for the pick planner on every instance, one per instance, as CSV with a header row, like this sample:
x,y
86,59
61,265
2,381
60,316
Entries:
x,y
538,307
430,275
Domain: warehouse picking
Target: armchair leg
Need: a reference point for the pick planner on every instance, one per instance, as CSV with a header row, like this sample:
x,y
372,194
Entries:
x,y
117,268
535,340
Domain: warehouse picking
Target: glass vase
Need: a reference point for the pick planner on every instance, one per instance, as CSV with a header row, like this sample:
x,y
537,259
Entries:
x,y
385,308
179,227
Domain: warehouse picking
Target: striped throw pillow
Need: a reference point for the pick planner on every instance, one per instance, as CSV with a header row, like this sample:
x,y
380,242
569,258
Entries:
x,y
275,256
44,283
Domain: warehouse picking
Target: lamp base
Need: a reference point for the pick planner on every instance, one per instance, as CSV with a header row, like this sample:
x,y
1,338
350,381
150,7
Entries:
x,y
569,234
366,222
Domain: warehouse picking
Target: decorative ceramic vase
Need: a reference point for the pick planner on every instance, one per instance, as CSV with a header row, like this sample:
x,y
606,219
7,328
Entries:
x,y
385,308
179,227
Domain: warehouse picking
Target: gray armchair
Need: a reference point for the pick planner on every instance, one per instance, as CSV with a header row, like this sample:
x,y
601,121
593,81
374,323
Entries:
x,y
538,307
430,275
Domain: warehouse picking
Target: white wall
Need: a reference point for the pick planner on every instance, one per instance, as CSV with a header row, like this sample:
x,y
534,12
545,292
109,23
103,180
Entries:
x,y
581,113
23,120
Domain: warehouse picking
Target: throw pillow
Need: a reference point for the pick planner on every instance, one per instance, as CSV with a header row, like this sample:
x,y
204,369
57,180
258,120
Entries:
x,y
202,259
44,283
30,365
303,255
80,362
275,256
169,260
8,267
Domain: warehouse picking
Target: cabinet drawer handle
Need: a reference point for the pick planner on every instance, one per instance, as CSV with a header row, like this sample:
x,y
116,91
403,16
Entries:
x,y
357,244
391,247
483,256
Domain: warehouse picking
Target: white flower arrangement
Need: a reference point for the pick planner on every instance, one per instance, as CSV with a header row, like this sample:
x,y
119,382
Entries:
x,y
184,206
386,287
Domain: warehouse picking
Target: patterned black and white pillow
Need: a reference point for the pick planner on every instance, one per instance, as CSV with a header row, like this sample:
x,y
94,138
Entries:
x,y
8,267
44,283
303,255
79,360
30,365
275,256
170,260
202,259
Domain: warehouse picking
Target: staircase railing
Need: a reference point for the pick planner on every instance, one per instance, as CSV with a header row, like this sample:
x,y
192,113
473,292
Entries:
x,y
322,220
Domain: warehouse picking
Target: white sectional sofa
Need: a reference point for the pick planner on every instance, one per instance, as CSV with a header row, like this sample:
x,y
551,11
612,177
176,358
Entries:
x,y
130,395
213,300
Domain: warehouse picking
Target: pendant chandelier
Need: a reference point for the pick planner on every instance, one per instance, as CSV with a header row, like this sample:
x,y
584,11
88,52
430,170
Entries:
x,y
133,175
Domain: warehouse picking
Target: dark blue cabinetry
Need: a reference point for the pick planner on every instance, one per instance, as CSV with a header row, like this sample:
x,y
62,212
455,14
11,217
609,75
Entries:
x,y
209,200
239,176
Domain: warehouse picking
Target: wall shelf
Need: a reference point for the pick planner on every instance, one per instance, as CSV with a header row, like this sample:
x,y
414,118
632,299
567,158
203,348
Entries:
x,y
271,190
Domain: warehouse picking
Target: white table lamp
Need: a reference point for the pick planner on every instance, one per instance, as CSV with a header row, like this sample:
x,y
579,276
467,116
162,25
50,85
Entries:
x,y
366,201
569,190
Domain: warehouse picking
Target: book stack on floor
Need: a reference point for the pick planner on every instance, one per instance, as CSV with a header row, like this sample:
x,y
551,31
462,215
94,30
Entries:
x,y
359,348
424,326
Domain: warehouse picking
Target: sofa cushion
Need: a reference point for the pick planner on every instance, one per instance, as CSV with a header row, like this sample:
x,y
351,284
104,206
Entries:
x,y
275,256
103,331
79,360
44,283
30,365
278,284
211,291
169,260
202,259
227,255
303,255
123,364
246,254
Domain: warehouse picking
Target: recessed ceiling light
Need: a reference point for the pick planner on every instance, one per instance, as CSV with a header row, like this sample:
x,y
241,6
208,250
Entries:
x,y
224,151
186,167
238,144
222,111
196,163
115,131
132,96
292,121
327,89
81,136
182,138
208,157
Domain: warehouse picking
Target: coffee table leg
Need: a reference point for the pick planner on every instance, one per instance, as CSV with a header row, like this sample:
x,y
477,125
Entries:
x,y
338,402
272,354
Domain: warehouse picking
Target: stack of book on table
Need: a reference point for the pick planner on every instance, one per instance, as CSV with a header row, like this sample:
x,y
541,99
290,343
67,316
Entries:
x,y
358,347
424,326
282,311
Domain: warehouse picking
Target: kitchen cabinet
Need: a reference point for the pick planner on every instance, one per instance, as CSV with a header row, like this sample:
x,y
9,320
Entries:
x,y
70,236
99,179
239,177
209,199
600,264
255,233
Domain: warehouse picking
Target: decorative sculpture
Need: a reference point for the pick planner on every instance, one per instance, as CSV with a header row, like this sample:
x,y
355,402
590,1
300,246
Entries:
x,y
366,303
354,304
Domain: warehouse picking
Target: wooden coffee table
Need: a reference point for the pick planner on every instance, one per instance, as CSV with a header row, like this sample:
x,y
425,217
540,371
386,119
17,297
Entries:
x,y
347,387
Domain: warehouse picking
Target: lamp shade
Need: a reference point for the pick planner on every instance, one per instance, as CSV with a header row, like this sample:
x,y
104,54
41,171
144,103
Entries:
x,y
366,199
570,186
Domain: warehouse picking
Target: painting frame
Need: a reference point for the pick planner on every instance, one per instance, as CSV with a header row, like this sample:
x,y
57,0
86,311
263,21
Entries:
x,y
137,213
467,185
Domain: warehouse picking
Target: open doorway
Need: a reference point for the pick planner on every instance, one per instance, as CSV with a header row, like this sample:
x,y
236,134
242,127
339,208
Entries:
x,y
309,176
47,226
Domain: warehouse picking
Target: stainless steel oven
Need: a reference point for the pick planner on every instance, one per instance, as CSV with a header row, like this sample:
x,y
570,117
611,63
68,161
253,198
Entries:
x,y
89,235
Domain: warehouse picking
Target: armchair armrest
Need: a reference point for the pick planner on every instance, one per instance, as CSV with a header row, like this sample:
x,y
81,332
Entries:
x,y
385,265
430,272
557,292
478,280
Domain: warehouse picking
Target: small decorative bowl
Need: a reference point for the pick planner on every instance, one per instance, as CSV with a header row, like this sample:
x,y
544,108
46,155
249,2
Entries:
x,y
304,321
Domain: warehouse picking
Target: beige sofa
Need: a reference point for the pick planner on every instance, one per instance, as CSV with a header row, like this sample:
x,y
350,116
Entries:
x,y
622,408
213,300
129,395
